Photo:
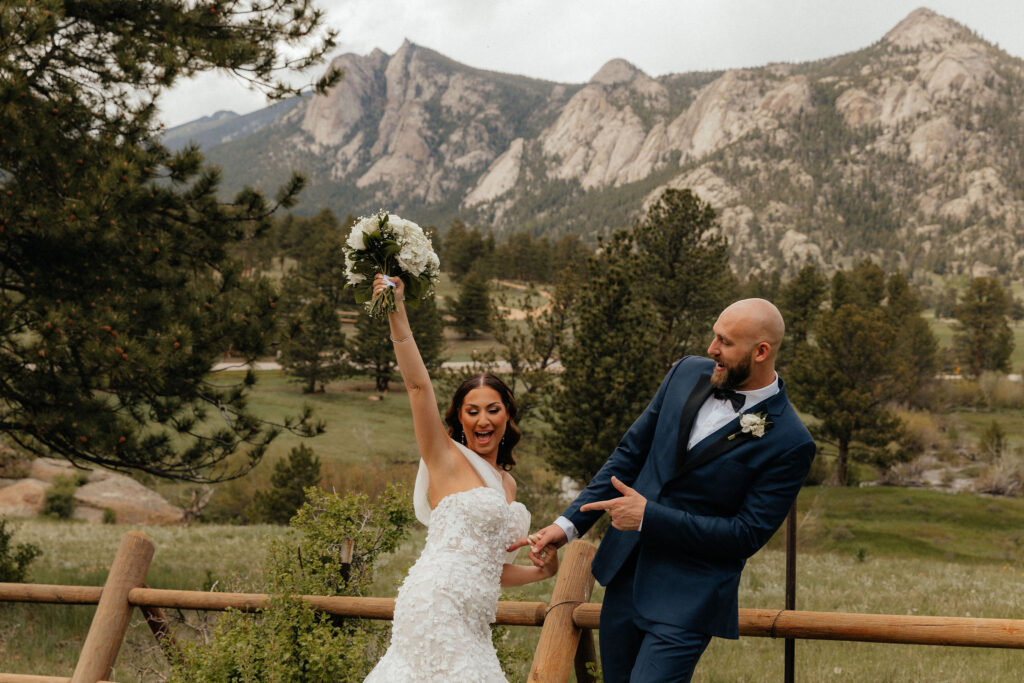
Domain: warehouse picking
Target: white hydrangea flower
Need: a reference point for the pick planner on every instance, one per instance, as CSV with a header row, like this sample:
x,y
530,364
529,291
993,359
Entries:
x,y
364,226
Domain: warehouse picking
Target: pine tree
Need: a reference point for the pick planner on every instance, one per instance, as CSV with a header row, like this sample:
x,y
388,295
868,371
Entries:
x,y
118,290
983,339
800,302
610,372
532,347
871,352
370,349
913,345
472,309
844,380
649,296
682,267
288,484
428,328
568,252
312,344
313,347
465,250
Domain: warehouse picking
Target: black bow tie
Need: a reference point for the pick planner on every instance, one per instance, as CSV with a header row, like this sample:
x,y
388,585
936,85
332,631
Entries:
x,y
734,397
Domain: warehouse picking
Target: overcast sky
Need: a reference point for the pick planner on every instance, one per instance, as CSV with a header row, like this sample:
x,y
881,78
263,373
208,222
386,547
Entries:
x,y
569,40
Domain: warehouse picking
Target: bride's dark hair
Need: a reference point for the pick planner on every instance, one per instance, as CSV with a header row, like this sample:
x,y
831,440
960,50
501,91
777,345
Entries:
x,y
512,433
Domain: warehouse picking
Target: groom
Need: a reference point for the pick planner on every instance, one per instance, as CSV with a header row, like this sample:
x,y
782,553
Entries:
x,y
697,485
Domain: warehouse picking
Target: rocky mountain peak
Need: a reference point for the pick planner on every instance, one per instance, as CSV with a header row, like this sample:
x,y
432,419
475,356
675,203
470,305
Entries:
x,y
908,150
616,71
923,28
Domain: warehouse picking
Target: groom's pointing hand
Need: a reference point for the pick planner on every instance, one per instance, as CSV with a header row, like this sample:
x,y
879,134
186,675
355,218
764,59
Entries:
x,y
626,512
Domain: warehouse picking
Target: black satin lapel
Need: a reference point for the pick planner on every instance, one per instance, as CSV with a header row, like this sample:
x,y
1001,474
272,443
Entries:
x,y
700,392
718,448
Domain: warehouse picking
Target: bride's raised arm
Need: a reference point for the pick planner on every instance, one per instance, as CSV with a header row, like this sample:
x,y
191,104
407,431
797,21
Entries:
x,y
431,436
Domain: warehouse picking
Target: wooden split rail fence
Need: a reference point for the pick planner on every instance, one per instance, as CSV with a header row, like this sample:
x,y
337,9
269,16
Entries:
x,y
567,622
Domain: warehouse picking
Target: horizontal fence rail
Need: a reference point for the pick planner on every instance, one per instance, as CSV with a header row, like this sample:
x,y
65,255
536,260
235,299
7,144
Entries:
x,y
28,678
867,628
509,613
768,623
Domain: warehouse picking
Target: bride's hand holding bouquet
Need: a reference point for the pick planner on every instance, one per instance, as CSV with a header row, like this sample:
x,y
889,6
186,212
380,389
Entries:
x,y
392,287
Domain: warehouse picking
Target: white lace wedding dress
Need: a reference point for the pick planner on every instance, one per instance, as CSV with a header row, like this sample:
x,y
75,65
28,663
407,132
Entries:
x,y
441,629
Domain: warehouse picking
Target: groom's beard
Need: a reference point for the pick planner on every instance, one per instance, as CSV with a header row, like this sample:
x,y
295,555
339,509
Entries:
x,y
734,376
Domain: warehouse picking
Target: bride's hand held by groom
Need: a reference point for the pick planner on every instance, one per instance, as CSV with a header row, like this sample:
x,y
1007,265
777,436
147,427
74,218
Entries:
x,y
544,545
626,511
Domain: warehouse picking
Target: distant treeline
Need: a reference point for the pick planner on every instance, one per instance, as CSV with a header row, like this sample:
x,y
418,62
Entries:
x,y
462,249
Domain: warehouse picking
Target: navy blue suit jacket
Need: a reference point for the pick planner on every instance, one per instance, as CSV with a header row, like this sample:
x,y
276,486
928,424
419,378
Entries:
x,y
708,509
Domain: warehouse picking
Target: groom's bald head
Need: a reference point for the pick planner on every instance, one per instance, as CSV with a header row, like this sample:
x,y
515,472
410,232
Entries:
x,y
756,321
747,338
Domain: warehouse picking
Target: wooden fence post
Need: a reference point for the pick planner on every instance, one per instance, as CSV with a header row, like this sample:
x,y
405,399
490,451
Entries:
x,y
559,637
113,613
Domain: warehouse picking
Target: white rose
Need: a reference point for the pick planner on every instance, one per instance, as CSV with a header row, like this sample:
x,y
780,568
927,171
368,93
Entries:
x,y
752,424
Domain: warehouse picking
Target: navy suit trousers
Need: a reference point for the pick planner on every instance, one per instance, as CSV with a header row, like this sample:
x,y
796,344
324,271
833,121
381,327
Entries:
x,y
637,650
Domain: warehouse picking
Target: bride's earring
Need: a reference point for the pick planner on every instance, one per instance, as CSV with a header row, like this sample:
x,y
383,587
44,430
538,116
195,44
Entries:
x,y
462,437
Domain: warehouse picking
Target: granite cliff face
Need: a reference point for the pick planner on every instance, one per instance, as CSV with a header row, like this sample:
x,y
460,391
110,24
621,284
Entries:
x,y
910,151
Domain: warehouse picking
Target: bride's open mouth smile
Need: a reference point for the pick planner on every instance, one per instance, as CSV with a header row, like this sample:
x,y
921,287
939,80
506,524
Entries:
x,y
483,438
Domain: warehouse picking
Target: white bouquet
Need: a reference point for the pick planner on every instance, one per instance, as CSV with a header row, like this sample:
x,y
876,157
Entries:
x,y
385,243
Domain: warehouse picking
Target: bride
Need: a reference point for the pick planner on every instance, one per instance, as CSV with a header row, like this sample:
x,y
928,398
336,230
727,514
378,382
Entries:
x,y
466,497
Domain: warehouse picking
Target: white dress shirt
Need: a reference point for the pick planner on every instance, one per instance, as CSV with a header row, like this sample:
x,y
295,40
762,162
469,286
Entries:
x,y
714,414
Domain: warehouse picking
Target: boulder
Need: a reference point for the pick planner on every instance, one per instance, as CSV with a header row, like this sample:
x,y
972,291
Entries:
x,y
23,499
131,502
48,469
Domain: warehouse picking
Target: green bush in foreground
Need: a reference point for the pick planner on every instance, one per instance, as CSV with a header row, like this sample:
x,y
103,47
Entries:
x,y
15,559
289,640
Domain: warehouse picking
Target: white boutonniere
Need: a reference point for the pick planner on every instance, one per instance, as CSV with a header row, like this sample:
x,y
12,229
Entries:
x,y
753,423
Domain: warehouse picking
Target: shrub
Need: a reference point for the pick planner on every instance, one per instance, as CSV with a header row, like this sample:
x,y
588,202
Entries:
x,y
514,659
921,433
1004,478
993,441
908,473
59,500
956,394
289,641
291,477
15,559
232,501
1000,391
